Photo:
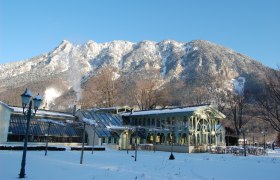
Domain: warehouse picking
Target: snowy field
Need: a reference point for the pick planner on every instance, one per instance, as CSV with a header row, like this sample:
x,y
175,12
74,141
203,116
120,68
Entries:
x,y
112,164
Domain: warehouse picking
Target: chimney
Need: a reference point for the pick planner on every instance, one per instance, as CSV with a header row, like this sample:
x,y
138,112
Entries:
x,y
74,110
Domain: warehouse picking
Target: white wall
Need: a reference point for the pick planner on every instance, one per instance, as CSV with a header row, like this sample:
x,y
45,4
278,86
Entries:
x,y
90,131
5,115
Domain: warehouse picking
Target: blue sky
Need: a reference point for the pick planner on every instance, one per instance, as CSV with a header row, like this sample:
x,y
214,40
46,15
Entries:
x,y
30,27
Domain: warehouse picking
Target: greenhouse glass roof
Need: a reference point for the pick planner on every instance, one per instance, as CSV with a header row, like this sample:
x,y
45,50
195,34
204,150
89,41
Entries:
x,y
105,122
39,128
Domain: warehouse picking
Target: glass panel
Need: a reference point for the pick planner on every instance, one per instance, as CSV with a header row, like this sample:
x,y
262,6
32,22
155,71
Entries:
x,y
111,120
98,120
119,119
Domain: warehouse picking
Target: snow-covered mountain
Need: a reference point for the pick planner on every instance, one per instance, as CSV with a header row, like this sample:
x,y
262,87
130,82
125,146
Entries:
x,y
69,64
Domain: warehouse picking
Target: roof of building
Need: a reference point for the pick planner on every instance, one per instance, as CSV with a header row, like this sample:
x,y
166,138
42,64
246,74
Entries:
x,y
190,109
39,127
116,109
6,105
164,111
45,113
105,123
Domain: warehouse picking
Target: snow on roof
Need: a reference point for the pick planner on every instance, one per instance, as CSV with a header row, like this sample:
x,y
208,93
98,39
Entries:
x,y
5,105
28,92
165,111
110,108
89,121
38,97
51,121
119,127
44,112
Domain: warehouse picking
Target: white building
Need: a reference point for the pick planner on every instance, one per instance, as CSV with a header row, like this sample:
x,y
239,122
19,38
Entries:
x,y
5,114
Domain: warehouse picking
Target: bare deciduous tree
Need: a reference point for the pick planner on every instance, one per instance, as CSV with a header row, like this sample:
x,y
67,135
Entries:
x,y
145,94
239,108
101,89
278,139
218,96
269,101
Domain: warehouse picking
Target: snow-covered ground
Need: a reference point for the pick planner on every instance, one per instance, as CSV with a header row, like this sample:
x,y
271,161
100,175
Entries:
x,y
112,164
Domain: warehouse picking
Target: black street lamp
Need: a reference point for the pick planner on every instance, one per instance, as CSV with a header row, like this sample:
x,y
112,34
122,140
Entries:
x,y
93,141
50,122
244,131
83,124
126,133
47,138
264,143
83,143
136,137
26,98
154,138
171,157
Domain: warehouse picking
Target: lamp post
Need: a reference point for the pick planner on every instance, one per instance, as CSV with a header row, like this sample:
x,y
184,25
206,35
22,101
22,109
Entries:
x,y
83,143
264,144
154,140
131,110
84,122
26,98
94,126
47,139
244,142
50,122
126,141
136,137
171,157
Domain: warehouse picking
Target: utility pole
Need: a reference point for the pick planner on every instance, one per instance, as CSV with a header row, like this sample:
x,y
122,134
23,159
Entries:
x,y
136,137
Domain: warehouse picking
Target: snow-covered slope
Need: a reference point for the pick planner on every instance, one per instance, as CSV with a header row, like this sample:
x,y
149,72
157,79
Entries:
x,y
119,165
69,64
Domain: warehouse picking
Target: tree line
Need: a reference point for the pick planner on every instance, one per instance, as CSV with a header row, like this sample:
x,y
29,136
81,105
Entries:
x,y
255,108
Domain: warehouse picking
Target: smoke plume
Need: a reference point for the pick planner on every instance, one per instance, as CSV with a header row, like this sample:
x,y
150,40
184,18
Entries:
x,y
49,97
75,74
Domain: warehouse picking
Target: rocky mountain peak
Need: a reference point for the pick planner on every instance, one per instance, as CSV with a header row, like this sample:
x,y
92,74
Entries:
x,y
65,46
171,59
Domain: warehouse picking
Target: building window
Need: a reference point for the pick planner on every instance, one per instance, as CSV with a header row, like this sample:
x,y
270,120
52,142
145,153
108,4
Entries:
x,y
173,121
168,121
162,123
157,123
149,122
143,122
153,122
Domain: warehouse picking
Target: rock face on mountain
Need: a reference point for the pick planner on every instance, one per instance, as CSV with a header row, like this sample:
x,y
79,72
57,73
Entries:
x,y
68,64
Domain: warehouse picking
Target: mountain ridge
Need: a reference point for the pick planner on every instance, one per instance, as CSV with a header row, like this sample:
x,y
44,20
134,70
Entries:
x,y
70,64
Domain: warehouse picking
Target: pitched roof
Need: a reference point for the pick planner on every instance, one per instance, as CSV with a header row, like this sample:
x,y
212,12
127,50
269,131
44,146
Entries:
x,y
199,108
44,113
6,105
165,111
